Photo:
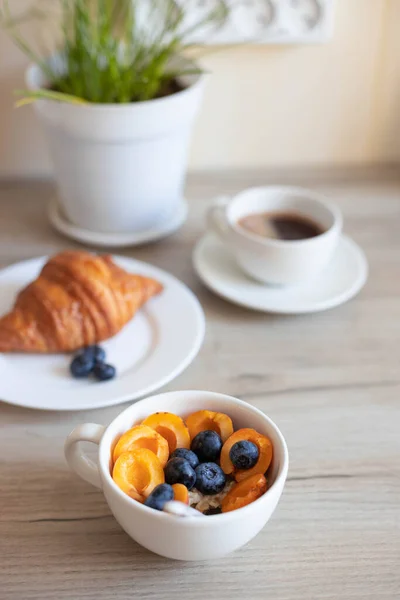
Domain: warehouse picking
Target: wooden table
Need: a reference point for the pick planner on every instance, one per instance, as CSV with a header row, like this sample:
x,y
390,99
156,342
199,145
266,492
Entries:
x,y
331,382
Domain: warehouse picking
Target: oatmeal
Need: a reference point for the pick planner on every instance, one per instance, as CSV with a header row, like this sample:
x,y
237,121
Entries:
x,y
204,503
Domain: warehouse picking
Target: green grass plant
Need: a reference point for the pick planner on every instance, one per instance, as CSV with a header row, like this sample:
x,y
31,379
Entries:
x,y
112,51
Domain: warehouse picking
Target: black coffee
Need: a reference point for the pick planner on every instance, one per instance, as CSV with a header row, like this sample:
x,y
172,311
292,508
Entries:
x,y
281,226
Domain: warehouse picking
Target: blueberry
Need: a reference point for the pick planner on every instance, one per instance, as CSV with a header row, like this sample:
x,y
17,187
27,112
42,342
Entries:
x,y
178,470
104,372
210,478
244,454
96,353
213,511
81,366
99,353
207,445
159,496
187,455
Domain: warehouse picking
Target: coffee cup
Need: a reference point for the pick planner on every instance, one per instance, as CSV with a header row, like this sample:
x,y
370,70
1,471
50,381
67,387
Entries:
x,y
268,259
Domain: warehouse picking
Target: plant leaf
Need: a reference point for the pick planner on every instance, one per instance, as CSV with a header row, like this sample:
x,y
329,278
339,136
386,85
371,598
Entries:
x,y
29,97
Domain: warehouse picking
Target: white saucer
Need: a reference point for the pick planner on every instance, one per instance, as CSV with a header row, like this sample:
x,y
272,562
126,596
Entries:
x,y
342,279
155,347
115,240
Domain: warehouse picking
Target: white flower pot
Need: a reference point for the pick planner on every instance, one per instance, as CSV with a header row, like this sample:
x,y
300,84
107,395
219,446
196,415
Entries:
x,y
119,167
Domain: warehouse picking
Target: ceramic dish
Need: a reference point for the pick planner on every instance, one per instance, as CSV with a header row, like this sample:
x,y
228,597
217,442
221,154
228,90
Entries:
x,y
341,280
157,345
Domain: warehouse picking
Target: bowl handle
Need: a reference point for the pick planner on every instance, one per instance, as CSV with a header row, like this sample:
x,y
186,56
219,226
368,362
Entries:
x,y
77,460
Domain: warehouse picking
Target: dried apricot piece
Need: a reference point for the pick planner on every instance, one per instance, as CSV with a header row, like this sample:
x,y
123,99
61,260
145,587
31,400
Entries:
x,y
263,444
181,493
142,436
171,427
138,472
244,493
208,420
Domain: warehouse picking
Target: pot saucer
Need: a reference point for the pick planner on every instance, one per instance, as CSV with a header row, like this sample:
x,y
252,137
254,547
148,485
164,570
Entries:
x,y
115,240
339,282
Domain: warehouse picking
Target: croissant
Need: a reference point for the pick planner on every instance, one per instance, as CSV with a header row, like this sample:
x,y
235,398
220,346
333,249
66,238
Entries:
x,y
78,299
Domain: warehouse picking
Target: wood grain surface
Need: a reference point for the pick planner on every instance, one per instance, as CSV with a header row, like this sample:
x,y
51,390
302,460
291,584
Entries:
x,y
330,381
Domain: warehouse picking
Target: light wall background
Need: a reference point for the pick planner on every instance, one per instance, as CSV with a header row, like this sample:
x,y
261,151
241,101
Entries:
x,y
332,104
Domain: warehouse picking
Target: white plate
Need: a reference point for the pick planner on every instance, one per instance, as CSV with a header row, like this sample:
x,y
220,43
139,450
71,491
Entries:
x,y
155,347
341,280
116,240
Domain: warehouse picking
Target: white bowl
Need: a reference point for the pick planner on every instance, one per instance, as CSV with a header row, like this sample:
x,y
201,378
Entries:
x,y
181,538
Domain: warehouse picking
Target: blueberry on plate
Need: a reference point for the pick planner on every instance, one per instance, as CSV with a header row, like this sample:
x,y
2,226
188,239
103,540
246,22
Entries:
x,y
104,372
96,353
210,478
161,494
81,366
188,455
179,470
207,446
99,353
244,454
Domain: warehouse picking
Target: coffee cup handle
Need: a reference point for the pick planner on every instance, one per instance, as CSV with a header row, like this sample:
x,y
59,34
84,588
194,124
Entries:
x,y
216,219
78,460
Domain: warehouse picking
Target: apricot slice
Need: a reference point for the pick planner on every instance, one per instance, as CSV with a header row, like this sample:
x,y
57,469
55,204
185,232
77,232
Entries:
x,y
138,472
171,427
142,436
263,444
244,493
181,493
203,420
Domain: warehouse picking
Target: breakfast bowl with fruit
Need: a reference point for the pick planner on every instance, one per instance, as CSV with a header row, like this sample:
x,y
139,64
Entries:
x,y
172,458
